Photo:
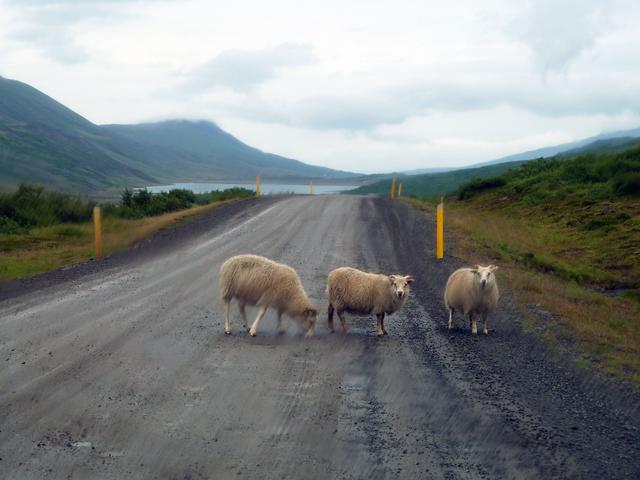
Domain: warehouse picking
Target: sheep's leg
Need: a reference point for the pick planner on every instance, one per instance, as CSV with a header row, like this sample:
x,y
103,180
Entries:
x,y
330,318
343,321
474,324
244,316
450,318
380,326
254,327
280,326
384,330
227,327
485,330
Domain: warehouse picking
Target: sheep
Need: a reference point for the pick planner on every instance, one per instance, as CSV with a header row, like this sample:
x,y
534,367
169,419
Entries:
x,y
353,291
472,291
256,280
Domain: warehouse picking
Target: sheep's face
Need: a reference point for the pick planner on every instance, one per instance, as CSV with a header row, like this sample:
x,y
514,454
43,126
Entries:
x,y
400,285
484,275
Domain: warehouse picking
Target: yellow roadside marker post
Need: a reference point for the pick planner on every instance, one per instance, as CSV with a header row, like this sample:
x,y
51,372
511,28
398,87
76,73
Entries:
x,y
399,189
258,186
440,230
393,187
311,187
97,232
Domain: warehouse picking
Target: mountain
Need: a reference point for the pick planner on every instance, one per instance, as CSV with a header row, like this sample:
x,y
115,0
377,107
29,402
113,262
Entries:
x,y
202,146
435,184
422,171
564,147
42,141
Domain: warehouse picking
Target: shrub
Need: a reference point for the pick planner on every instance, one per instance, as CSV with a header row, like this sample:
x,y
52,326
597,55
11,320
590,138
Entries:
x,y
627,183
478,185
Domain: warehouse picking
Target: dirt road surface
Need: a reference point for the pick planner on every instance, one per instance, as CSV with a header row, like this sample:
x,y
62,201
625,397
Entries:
x,y
121,369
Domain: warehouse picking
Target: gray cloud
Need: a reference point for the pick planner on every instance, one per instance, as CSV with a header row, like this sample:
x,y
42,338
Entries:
x,y
559,32
47,25
243,70
395,105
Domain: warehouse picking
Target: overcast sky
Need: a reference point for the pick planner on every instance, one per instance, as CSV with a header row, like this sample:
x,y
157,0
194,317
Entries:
x,y
365,86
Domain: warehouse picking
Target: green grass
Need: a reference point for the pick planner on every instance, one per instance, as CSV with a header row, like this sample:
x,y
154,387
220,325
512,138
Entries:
x,y
41,230
43,249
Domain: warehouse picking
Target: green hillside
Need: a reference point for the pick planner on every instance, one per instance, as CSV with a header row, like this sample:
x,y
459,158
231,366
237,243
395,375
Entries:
x,y
435,184
42,141
592,203
202,146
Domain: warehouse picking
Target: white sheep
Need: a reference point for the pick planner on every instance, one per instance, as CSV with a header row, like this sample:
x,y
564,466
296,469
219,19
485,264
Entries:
x,y
353,291
472,291
256,280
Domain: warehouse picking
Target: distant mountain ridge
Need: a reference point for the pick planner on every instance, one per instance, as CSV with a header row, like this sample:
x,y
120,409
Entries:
x,y
42,141
442,183
563,147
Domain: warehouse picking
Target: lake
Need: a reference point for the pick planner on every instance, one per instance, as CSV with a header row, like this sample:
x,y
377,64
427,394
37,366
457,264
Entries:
x,y
265,188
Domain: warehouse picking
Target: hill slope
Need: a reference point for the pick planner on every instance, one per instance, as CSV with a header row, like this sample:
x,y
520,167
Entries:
x,y
43,141
203,147
433,184
564,147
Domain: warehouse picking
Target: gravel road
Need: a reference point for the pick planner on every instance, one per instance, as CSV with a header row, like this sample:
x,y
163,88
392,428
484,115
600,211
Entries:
x,y
121,369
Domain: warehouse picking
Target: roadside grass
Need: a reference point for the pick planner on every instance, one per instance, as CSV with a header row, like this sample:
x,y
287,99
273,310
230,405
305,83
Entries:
x,y
43,249
549,259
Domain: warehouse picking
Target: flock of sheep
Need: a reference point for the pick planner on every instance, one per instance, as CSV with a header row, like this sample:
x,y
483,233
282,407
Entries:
x,y
258,281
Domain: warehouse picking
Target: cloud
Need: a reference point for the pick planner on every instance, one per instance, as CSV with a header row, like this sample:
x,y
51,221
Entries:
x,y
49,25
244,70
557,33
365,112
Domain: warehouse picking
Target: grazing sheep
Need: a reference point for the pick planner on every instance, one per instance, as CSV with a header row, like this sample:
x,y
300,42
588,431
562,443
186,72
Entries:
x,y
472,291
256,280
353,291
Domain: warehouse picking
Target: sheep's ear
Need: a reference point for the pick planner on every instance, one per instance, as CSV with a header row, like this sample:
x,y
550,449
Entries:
x,y
493,268
392,278
475,269
409,279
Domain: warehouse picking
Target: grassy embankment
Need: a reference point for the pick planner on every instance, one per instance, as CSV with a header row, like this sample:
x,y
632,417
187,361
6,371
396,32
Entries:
x,y
41,231
566,233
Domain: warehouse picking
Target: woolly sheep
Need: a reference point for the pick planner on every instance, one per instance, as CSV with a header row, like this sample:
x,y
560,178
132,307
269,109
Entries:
x,y
353,291
472,291
256,280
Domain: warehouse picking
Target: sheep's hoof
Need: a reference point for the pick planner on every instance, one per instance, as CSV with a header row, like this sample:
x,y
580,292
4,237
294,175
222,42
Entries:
x,y
475,332
380,334
485,331
281,331
227,332
384,332
252,332
309,334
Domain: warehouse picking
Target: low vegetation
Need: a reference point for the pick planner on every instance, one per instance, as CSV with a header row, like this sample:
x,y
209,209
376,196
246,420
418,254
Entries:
x,y
41,230
567,233
431,185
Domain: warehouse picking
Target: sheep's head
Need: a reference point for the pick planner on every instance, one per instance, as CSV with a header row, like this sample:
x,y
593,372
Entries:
x,y
484,275
309,319
400,285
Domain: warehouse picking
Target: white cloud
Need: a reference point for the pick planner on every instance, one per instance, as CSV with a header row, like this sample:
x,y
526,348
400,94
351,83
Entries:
x,y
243,70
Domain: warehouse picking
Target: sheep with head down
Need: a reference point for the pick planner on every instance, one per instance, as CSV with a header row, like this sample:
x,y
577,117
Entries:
x,y
472,291
256,280
353,291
